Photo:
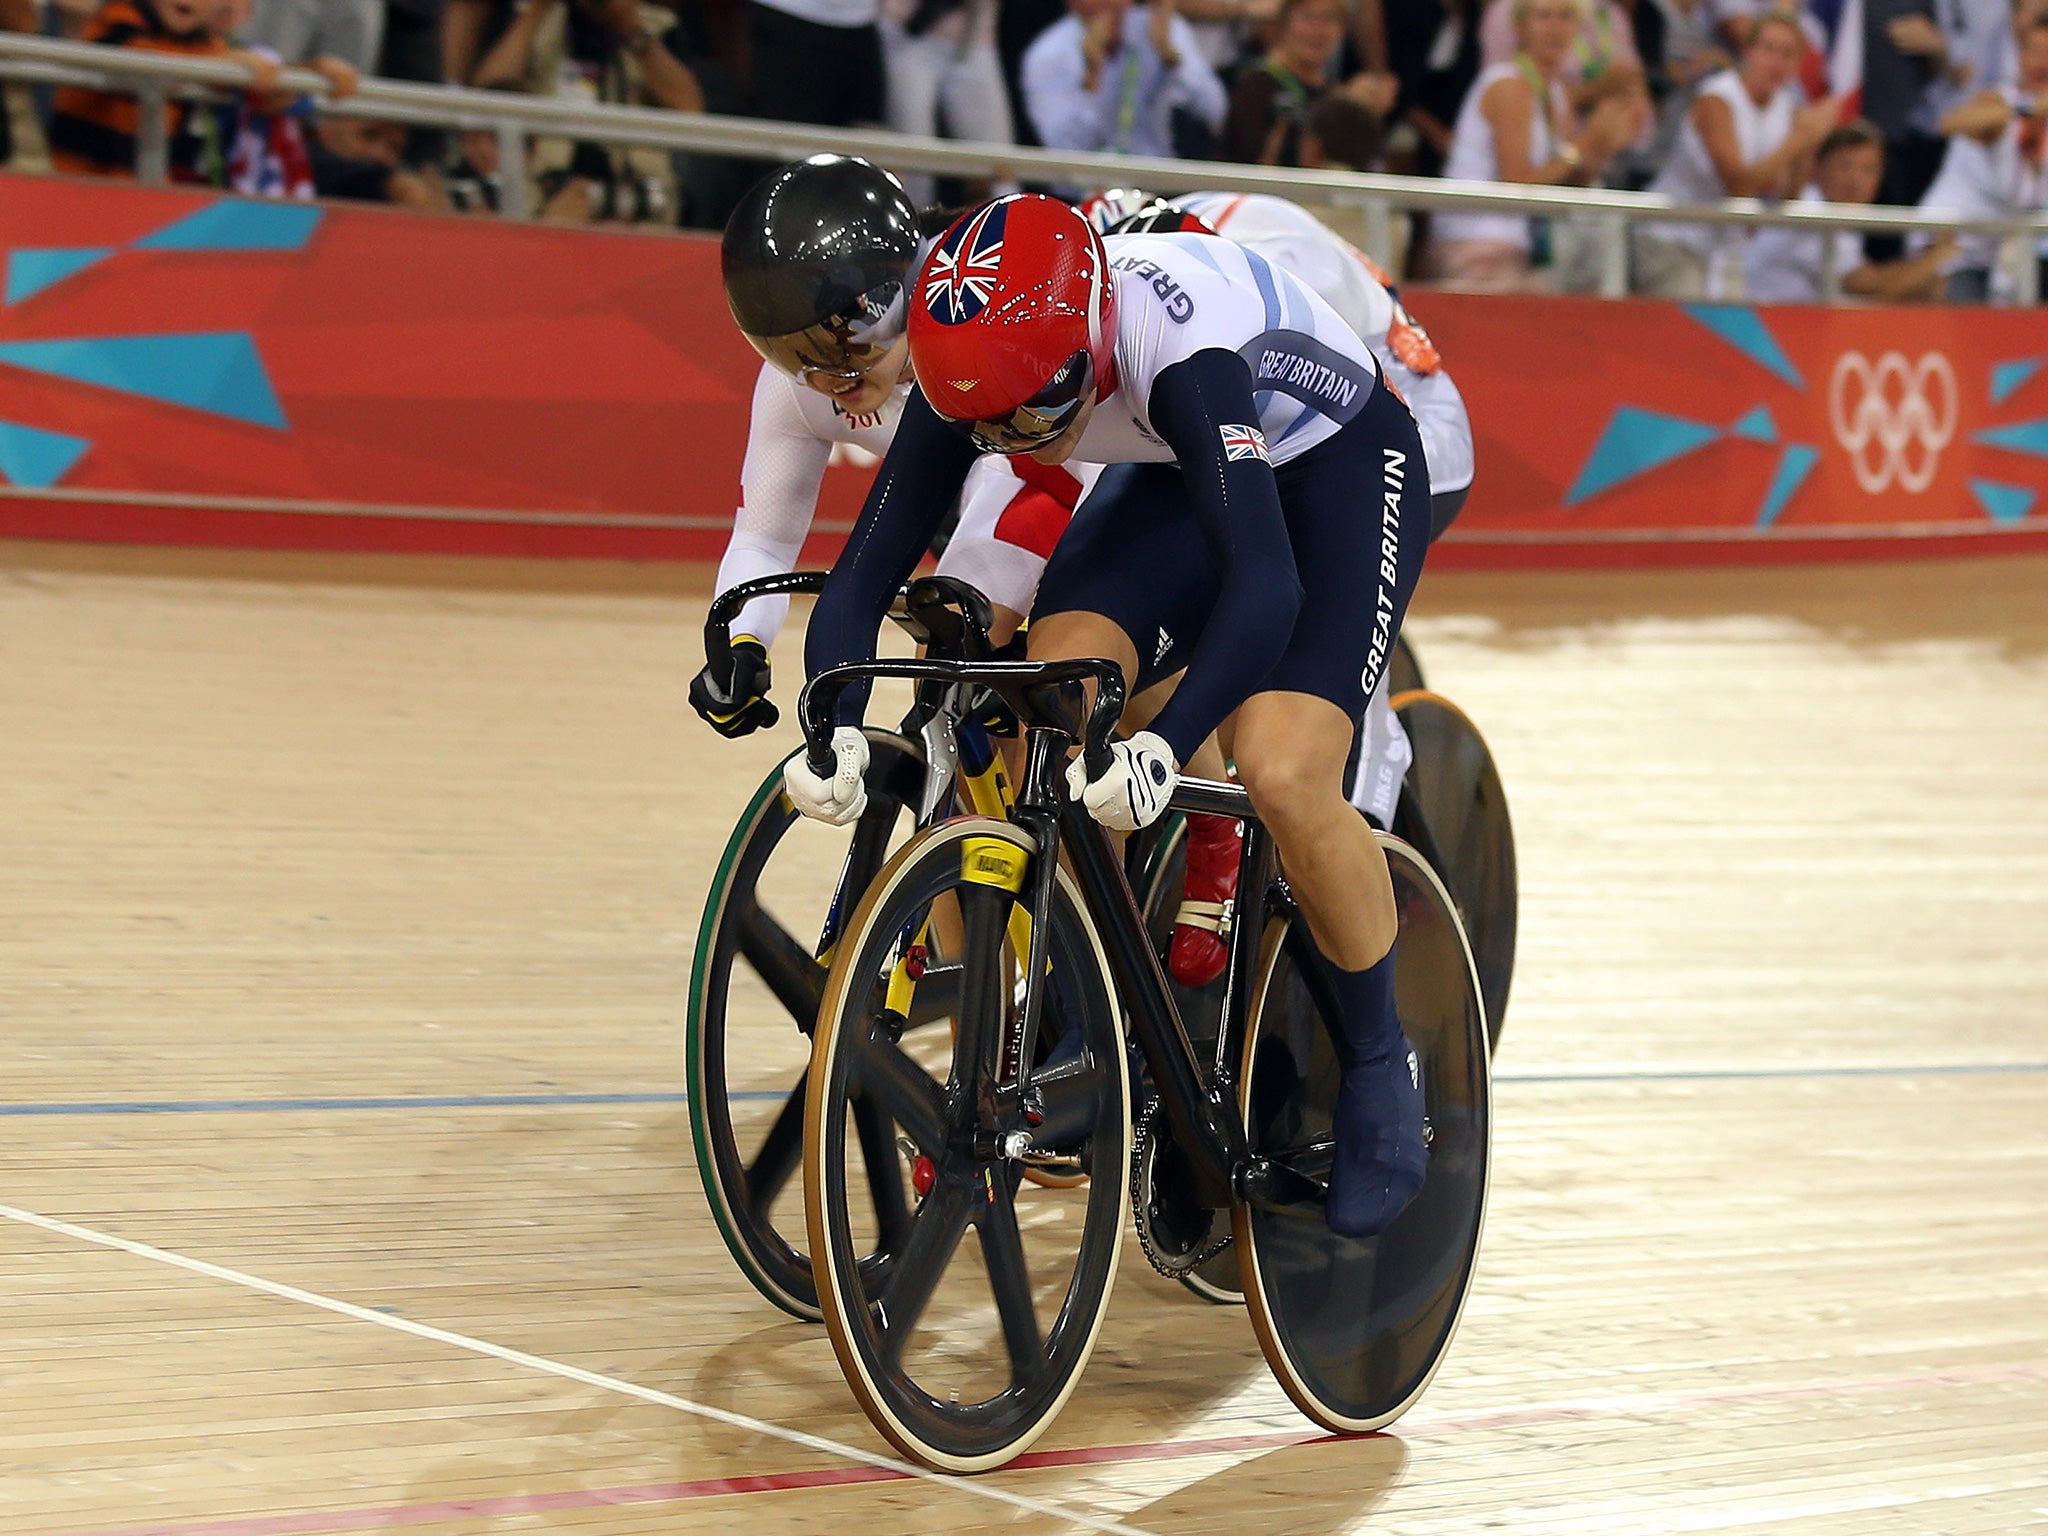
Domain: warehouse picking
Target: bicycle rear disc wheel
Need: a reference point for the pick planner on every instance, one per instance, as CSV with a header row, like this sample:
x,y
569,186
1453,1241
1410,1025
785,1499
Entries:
x,y
1355,1328
1454,786
965,1342
1404,672
754,991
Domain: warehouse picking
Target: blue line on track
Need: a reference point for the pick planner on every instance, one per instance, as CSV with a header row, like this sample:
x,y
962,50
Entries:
x,y
263,1106
560,1100
1765,1074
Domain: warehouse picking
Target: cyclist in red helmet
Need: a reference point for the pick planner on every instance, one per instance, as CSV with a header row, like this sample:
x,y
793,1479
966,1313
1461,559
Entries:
x,y
1260,538
1366,299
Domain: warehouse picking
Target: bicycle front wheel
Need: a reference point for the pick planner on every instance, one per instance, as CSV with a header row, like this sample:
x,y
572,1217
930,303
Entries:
x,y
962,1349
779,892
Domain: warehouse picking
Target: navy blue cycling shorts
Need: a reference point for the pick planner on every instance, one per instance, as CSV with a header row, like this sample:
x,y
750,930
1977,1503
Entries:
x,y
1358,520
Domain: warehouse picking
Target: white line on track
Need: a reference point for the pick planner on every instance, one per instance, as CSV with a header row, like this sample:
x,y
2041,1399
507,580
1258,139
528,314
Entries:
x,y
568,1372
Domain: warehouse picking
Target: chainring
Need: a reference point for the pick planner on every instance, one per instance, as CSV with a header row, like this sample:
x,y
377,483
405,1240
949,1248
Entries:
x,y
1177,1234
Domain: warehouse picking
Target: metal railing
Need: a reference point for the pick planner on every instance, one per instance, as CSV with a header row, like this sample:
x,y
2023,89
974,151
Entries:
x,y
155,78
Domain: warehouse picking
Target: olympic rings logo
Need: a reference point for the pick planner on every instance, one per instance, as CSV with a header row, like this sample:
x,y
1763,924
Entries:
x,y
1893,417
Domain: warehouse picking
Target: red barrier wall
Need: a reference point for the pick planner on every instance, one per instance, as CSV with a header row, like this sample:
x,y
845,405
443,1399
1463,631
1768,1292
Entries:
x,y
183,369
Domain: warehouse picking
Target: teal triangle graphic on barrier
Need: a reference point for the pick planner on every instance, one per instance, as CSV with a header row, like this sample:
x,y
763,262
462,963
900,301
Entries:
x,y
1743,329
1756,425
1634,443
2022,437
33,458
2003,503
34,268
215,371
2006,378
230,225
1794,465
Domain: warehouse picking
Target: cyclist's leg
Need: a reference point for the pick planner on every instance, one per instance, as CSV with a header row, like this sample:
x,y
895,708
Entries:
x,y
1291,744
1291,749
1130,581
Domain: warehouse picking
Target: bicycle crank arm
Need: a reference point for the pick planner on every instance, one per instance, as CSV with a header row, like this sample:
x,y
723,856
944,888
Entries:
x,y
1061,1106
1023,1147
1278,1185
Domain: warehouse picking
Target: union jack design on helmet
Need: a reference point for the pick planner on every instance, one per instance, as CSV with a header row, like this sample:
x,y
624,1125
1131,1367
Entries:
x,y
961,273
1010,297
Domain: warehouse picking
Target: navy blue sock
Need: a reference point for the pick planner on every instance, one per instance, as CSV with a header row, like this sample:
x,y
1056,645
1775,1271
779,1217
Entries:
x,y
1382,1154
1371,1026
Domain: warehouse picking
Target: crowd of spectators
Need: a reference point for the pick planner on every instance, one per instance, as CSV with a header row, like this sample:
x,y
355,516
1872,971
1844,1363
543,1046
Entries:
x,y
1943,108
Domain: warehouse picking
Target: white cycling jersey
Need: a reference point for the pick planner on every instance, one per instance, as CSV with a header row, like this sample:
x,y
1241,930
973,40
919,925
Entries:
x,y
1360,292
1010,514
1177,295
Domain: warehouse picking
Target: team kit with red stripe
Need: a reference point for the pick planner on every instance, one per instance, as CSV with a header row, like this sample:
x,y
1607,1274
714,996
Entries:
x,y
1011,513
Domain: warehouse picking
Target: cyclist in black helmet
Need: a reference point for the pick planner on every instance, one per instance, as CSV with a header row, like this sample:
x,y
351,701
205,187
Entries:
x,y
818,259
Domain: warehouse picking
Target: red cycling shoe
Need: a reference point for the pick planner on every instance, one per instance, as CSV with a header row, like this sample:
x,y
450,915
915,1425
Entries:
x,y
1199,953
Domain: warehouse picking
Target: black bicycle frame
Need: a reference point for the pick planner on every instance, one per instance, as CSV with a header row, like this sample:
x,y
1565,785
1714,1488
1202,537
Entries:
x,y
1204,1116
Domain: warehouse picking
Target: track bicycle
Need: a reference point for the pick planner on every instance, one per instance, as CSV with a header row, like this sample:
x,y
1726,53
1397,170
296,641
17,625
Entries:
x,y
776,904
1452,810
961,1352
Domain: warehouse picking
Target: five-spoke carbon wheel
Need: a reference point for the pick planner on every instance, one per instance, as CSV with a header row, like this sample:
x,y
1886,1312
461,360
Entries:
x,y
964,1340
1354,1329
781,888
1465,833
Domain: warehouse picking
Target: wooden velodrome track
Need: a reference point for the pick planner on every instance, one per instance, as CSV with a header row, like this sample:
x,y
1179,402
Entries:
x,y
346,916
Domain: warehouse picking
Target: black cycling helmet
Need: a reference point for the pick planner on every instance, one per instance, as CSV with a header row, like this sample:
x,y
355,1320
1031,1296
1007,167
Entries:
x,y
1160,218
817,257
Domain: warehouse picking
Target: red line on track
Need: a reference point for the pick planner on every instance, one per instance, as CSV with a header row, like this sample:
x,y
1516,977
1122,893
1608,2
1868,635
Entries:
x,y
316,1522
322,1522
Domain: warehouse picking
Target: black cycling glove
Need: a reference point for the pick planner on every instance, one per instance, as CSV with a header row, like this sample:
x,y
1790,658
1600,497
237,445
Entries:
x,y
737,705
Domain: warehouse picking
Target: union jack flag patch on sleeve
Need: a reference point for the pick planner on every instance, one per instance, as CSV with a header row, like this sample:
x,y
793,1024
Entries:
x,y
1244,443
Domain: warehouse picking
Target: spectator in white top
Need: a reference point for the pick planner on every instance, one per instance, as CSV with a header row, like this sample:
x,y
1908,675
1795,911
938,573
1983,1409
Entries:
x,y
942,70
1605,45
1109,77
1746,135
1516,126
1997,166
1783,264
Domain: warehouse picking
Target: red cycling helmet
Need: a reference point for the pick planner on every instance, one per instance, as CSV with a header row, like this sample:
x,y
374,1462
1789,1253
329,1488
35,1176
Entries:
x,y
1013,319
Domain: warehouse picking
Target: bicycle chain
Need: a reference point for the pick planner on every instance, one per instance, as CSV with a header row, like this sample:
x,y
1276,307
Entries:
x,y
1172,1266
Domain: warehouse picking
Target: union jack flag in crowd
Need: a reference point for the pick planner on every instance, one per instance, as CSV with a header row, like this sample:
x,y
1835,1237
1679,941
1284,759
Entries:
x,y
962,271
1243,443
